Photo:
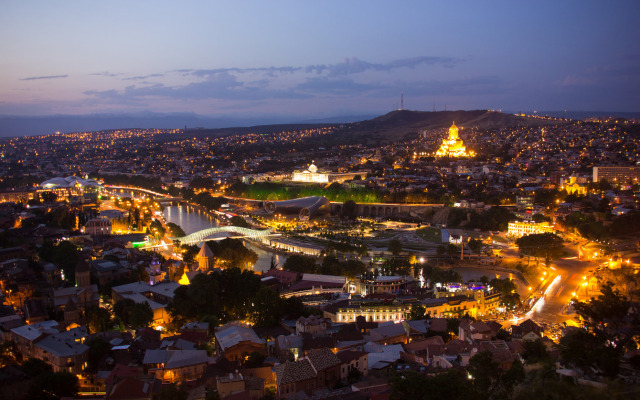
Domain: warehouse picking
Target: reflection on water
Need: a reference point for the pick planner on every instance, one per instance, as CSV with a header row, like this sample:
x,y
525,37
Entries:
x,y
188,218
192,220
264,257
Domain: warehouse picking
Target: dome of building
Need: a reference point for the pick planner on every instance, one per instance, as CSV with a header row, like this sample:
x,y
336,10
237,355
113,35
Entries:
x,y
68,182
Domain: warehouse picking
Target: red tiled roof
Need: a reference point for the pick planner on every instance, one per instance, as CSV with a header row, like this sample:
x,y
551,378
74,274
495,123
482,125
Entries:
x,y
291,372
130,388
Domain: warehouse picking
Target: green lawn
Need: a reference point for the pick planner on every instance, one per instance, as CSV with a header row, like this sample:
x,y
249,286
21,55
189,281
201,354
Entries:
x,y
430,234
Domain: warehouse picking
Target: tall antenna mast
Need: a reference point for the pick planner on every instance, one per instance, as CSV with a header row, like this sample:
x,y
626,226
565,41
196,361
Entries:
x,y
434,106
401,101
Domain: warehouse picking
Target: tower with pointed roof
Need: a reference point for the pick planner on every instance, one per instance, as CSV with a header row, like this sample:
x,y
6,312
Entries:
x,y
205,258
71,312
83,274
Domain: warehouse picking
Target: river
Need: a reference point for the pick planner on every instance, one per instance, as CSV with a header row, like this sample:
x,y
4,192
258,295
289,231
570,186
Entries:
x,y
192,219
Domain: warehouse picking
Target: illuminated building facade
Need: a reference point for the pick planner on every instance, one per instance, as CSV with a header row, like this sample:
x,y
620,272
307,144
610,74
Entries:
x,y
310,175
453,145
381,285
313,175
371,312
573,187
616,174
523,228
98,227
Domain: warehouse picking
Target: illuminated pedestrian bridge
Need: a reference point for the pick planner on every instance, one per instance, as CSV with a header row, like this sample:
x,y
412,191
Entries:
x,y
202,235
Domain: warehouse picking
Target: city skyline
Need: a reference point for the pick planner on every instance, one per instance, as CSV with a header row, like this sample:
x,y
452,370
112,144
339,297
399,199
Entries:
x,y
288,59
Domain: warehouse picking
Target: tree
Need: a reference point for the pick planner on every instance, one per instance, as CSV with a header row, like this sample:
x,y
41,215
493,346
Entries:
x,y
417,312
294,308
349,209
9,353
237,220
537,217
495,219
607,314
220,296
141,315
98,348
53,385
173,392
65,255
300,263
547,245
157,229
452,384
585,350
546,197
330,266
190,252
395,247
122,309
175,230
609,329
49,197
354,375
509,296
34,367
475,245
266,308
98,319
353,268
489,380
233,254
534,351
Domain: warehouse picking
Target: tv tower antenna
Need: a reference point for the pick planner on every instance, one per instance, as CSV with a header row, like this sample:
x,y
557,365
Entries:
x,y
401,101
434,106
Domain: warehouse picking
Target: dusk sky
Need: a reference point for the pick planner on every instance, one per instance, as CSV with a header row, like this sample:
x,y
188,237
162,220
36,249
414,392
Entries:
x,y
317,59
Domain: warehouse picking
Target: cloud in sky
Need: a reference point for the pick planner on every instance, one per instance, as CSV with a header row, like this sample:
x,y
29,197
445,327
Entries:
x,y
35,78
105,73
142,77
360,85
350,77
348,66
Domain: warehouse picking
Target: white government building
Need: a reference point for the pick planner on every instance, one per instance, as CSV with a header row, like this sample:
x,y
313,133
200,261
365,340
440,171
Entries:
x,y
313,175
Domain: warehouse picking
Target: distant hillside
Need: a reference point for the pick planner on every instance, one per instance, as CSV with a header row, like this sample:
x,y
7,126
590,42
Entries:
x,y
259,129
397,124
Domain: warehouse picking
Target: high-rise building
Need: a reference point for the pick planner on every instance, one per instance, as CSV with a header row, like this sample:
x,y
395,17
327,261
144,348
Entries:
x,y
616,174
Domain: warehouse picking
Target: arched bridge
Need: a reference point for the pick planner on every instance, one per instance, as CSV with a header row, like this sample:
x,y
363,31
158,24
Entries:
x,y
197,237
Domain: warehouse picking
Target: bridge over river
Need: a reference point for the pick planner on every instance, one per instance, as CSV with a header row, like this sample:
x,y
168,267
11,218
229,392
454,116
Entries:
x,y
245,233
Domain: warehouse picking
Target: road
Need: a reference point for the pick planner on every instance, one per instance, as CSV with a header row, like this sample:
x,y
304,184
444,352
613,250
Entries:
x,y
571,270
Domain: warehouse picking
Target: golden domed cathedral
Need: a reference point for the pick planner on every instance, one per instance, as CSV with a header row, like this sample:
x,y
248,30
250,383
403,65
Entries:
x,y
453,146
